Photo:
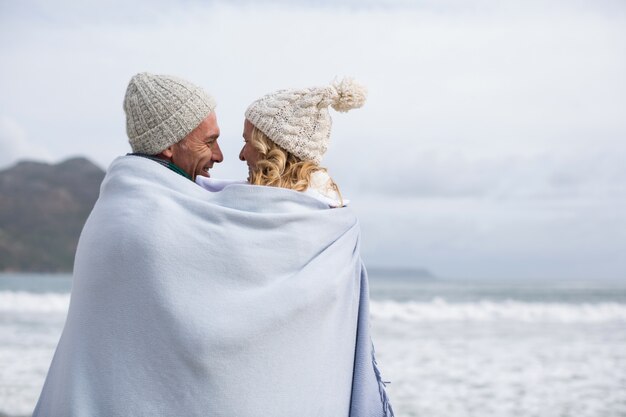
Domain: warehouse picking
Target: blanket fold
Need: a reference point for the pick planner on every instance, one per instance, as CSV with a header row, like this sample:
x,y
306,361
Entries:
x,y
247,301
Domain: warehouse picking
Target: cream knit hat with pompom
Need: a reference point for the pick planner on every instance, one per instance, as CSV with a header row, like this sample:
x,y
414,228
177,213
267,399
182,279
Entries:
x,y
298,120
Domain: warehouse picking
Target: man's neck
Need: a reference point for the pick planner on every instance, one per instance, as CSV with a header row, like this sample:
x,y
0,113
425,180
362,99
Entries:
x,y
165,162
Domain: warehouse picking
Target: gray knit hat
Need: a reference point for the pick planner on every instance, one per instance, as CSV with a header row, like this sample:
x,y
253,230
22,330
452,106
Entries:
x,y
298,120
161,110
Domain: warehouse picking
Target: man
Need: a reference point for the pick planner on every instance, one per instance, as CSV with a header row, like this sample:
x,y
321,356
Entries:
x,y
172,122
122,351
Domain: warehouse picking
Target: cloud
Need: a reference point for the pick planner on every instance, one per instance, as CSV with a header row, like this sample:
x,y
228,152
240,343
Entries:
x,y
480,80
544,176
473,238
15,145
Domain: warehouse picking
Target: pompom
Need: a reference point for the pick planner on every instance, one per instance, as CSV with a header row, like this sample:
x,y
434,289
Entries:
x,y
349,95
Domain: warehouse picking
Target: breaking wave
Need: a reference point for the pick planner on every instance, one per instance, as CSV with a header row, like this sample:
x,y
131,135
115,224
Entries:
x,y
27,302
439,310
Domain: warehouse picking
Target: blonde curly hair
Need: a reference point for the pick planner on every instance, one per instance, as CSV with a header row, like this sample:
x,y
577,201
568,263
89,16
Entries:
x,y
277,167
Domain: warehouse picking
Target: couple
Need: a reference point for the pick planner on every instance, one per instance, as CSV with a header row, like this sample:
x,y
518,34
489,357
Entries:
x,y
200,297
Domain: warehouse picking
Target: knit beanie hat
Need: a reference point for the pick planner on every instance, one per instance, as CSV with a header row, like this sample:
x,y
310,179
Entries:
x,y
161,110
298,120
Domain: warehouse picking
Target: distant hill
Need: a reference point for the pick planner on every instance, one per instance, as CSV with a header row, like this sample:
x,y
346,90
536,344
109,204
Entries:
x,y
42,211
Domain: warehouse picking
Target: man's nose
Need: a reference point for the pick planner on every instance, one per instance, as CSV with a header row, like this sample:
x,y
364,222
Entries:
x,y
241,157
217,153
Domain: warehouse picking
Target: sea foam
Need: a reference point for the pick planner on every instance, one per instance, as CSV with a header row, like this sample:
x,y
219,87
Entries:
x,y
485,311
435,310
27,302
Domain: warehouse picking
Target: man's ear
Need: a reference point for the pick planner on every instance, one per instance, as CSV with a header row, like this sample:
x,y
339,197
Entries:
x,y
167,152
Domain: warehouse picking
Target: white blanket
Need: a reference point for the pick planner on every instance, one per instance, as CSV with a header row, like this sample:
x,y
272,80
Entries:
x,y
241,302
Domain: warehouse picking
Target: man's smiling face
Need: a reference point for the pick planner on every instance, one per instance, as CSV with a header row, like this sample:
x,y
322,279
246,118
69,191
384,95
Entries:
x,y
199,150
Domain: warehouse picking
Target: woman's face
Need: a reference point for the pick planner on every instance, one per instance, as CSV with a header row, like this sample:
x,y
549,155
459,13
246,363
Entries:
x,y
248,153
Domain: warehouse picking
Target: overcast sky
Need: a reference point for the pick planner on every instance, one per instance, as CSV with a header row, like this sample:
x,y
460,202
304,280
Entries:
x,y
493,142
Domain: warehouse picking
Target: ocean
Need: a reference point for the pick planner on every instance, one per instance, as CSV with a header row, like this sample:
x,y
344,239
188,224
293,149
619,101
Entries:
x,y
506,348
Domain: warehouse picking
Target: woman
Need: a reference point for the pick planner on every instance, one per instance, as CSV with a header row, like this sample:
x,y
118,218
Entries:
x,y
303,236
287,133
